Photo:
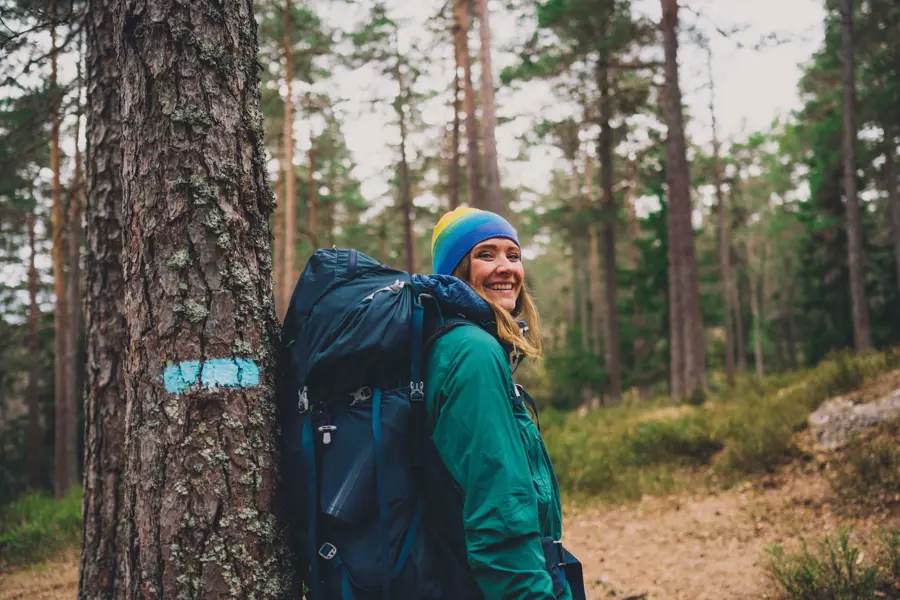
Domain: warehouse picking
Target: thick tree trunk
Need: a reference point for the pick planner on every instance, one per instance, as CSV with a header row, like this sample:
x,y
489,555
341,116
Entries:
x,y
200,363
862,335
610,283
312,212
461,19
681,236
103,549
62,471
289,277
455,175
73,303
280,304
493,196
890,168
724,237
754,308
34,405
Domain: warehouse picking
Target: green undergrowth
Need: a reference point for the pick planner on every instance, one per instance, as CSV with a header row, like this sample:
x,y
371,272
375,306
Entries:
x,y
866,472
635,449
36,527
837,569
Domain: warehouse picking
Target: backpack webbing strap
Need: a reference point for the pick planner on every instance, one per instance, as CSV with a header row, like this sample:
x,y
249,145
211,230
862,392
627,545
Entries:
x,y
410,538
312,506
417,387
330,552
381,492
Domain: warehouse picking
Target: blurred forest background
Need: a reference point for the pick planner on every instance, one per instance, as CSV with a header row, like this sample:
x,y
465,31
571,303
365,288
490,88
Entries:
x,y
669,259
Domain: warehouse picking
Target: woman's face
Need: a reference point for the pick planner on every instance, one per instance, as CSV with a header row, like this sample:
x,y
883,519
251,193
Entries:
x,y
496,267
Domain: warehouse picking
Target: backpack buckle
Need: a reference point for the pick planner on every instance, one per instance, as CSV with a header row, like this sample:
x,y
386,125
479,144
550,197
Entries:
x,y
417,390
303,400
327,551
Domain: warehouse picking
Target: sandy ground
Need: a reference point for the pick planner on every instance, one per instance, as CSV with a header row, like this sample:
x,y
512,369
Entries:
x,y
697,547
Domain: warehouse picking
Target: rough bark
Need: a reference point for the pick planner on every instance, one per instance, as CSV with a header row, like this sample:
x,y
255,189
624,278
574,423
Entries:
x,y
103,549
73,303
34,406
724,237
890,168
862,335
473,158
312,212
289,277
493,200
754,308
403,168
686,307
63,477
610,283
199,367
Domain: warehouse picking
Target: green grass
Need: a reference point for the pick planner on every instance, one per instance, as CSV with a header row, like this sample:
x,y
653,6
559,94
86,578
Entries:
x,y
838,570
635,449
37,526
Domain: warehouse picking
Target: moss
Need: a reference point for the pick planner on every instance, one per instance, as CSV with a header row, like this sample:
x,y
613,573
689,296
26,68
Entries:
x,y
179,260
241,347
210,54
193,116
224,241
195,311
201,192
213,221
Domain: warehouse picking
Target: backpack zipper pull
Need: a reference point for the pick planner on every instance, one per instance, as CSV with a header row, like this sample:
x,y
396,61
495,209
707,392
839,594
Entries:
x,y
326,430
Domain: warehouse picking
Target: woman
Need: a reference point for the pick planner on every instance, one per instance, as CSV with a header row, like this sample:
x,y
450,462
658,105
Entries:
x,y
496,494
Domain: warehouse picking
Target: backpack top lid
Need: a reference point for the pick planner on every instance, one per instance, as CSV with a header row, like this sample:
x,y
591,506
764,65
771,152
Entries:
x,y
446,296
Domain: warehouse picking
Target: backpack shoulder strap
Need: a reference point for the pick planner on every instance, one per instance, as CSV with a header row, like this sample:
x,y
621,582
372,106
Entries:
x,y
447,326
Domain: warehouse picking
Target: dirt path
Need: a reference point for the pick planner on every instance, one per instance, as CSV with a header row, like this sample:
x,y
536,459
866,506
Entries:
x,y
706,547
701,547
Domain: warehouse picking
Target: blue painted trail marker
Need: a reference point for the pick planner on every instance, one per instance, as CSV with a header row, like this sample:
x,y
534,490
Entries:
x,y
217,372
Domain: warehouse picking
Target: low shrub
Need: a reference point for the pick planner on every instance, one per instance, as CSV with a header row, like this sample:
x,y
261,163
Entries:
x,y
868,469
837,570
36,526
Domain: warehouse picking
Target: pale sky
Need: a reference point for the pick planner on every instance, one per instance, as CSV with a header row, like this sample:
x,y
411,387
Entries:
x,y
753,87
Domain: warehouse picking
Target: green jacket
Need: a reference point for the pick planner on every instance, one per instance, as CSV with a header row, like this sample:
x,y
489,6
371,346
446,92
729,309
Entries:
x,y
498,461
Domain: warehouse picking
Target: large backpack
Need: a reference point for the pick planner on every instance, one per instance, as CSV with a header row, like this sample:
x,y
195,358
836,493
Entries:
x,y
354,436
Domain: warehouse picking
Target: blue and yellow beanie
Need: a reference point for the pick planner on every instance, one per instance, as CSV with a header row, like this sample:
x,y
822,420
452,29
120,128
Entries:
x,y
461,230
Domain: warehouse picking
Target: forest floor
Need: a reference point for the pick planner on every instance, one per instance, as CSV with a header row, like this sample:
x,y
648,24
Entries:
x,y
689,546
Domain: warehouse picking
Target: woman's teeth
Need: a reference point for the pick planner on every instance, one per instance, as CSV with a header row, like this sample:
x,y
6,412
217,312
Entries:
x,y
500,286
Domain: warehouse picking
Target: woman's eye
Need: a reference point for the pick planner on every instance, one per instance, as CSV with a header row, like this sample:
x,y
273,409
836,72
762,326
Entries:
x,y
484,255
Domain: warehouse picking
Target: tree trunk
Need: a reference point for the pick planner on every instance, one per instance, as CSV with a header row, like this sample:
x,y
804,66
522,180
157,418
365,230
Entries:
x,y
493,196
610,284
461,18
790,318
754,308
34,405
738,326
405,193
200,363
73,303
455,175
593,259
862,335
280,303
103,549
890,167
681,238
62,471
312,212
724,238
289,277
634,233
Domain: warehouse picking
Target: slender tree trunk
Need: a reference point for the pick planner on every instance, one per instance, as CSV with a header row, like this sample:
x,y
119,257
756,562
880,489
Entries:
x,y
289,277
593,258
790,318
34,357
678,179
103,547
739,327
382,241
312,211
862,335
73,302
634,234
493,196
62,472
461,18
724,238
455,175
754,308
280,303
610,283
890,168
200,363
405,192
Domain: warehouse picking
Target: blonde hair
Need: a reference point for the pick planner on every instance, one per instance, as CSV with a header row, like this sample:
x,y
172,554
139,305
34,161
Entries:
x,y
530,342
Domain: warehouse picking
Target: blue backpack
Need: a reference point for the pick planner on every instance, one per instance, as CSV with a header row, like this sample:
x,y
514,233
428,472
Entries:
x,y
354,436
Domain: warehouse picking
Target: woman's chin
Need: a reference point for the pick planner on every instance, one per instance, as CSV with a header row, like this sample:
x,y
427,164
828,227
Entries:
x,y
504,300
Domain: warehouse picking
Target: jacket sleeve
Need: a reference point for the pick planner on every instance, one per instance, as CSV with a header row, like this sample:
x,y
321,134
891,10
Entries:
x,y
477,439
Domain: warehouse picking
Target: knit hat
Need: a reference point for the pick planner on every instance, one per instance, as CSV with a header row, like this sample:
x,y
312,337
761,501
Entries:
x,y
461,230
